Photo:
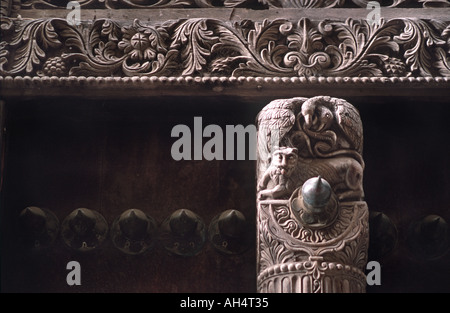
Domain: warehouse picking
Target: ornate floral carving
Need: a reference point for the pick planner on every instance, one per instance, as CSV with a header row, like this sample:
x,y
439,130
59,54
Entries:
x,y
208,47
122,4
272,250
258,4
30,45
281,225
304,3
418,39
283,217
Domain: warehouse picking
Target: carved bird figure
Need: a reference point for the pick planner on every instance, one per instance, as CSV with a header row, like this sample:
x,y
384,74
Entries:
x,y
274,121
317,117
321,112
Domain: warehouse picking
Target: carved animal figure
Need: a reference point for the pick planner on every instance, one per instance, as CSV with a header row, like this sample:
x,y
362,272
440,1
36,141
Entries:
x,y
317,117
277,177
344,174
321,112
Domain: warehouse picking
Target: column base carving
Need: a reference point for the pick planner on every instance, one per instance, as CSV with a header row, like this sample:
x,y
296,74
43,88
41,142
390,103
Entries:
x,y
295,259
312,276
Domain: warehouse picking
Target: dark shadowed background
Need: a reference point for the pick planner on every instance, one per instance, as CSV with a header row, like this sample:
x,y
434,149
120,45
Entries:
x,y
114,155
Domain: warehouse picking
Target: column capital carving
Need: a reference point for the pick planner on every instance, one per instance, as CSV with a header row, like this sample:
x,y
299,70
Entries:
x,y
313,231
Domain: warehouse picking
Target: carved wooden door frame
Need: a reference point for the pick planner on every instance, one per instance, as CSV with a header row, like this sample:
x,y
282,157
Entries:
x,y
247,48
129,49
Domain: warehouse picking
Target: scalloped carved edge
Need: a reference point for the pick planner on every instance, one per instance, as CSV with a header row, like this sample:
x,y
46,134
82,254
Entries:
x,y
317,277
281,269
126,87
141,81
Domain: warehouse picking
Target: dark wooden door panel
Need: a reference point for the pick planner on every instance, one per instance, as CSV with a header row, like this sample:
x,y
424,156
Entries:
x,y
111,156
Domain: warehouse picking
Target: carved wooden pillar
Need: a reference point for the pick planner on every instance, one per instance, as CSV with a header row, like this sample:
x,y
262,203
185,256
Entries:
x,y
312,221
312,233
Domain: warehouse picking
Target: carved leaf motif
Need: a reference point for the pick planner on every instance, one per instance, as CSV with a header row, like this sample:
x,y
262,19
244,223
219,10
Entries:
x,y
195,40
355,251
303,3
114,4
293,228
109,29
446,32
395,3
4,53
154,3
273,55
347,254
418,37
6,26
204,46
117,4
100,54
272,251
357,44
258,4
104,40
48,36
71,36
162,64
267,54
446,35
32,40
352,55
443,63
230,48
236,3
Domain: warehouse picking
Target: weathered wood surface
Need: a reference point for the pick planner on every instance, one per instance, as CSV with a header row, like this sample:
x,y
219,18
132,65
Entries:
x,y
236,14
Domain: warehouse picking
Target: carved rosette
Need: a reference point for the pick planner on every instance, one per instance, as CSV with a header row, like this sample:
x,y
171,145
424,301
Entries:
x,y
308,241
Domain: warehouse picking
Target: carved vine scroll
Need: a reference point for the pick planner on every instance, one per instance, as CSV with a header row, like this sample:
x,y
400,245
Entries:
x,y
312,217
254,4
398,47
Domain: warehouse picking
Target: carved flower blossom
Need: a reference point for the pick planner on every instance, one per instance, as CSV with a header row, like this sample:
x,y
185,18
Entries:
x,y
145,50
140,46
